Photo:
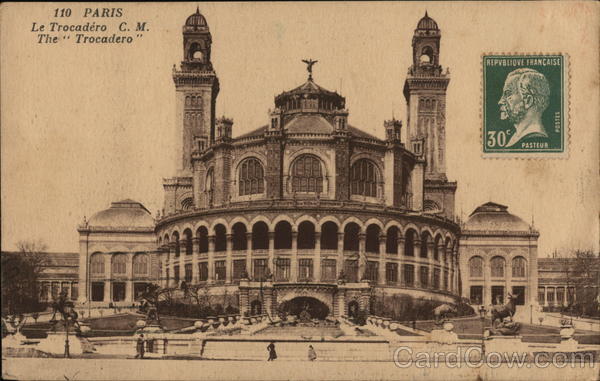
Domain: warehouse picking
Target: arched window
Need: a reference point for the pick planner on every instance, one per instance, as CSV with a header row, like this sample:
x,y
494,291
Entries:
x,y
283,235
329,236
260,236
391,240
430,205
202,235
240,242
251,177
97,264
220,238
425,238
497,265
476,267
189,244
518,267
176,241
140,265
372,242
119,264
363,178
306,235
426,54
210,184
436,248
351,232
409,242
187,203
307,175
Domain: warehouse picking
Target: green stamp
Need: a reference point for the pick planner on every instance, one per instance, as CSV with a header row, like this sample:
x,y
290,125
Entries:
x,y
525,105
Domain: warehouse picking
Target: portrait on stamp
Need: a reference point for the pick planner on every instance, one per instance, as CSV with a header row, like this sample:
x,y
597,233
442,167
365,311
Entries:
x,y
524,105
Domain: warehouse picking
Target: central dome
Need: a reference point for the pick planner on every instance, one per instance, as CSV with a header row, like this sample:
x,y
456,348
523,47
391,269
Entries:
x,y
310,96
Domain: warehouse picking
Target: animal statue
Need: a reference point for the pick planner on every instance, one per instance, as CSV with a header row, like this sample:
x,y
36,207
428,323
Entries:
x,y
150,297
507,310
442,311
59,305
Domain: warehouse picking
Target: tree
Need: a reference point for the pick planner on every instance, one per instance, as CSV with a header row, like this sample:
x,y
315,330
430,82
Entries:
x,y
20,274
581,271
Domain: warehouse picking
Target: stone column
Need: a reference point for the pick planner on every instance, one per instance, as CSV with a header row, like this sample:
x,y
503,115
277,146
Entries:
x,y
342,305
268,300
417,252
382,254
166,265
249,253
211,259
84,271
294,262
317,258
340,253
456,269
362,256
182,257
449,267
228,259
508,277
195,266
49,291
430,261
129,280
243,300
400,260
271,260
107,283
172,260
487,289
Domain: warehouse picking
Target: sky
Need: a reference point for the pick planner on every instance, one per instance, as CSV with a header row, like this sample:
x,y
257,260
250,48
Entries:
x,y
84,125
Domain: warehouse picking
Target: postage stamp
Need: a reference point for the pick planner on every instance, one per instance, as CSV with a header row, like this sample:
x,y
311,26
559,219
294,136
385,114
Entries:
x,y
525,105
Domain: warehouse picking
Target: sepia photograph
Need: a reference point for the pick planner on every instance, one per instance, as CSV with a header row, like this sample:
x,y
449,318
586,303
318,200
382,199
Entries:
x,y
300,190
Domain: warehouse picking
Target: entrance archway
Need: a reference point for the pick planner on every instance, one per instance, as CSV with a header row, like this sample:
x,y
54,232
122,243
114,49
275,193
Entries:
x,y
353,308
316,308
255,307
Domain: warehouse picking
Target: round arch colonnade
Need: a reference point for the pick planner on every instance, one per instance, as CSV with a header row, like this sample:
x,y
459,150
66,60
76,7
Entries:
x,y
336,256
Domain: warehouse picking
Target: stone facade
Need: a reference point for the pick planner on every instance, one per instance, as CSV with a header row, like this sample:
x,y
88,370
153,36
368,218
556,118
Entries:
x,y
498,256
306,206
325,208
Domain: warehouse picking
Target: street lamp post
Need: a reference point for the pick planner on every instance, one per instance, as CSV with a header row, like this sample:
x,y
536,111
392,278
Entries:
x,y
482,312
68,309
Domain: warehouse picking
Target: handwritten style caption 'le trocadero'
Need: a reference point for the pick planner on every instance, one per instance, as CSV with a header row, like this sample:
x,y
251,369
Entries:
x,y
88,26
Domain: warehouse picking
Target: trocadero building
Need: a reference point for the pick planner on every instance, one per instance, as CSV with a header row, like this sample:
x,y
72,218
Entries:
x,y
305,208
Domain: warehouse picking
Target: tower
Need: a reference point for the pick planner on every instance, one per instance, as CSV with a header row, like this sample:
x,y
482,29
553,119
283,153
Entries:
x,y
197,87
425,93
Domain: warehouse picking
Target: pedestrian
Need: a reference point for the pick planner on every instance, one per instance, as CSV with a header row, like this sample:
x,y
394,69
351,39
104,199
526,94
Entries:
x,y
272,353
312,355
140,347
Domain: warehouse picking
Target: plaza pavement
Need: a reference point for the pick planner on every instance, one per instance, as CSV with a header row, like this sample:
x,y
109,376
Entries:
x,y
132,369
